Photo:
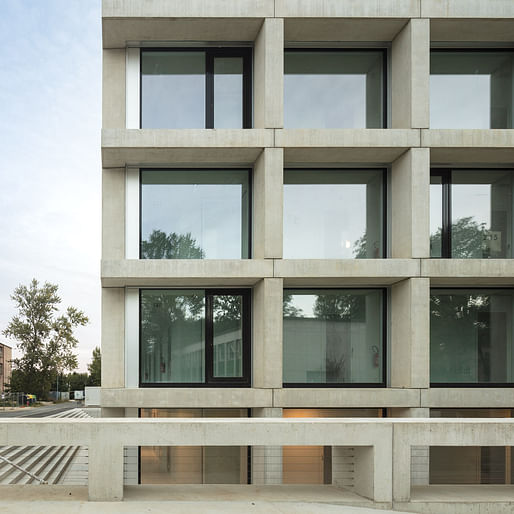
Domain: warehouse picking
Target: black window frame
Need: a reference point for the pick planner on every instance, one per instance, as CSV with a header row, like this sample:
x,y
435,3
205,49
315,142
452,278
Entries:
x,y
381,49
213,169
210,380
446,229
211,53
340,385
384,198
475,385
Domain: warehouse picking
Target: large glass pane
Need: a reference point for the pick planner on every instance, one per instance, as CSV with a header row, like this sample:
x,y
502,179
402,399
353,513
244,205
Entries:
x,y
194,464
195,214
470,89
228,92
436,216
481,214
471,336
227,323
333,336
172,336
333,89
172,89
333,214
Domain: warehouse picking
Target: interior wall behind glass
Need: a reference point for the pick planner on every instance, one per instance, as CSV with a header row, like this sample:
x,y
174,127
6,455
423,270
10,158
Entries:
x,y
194,464
333,89
195,214
471,336
333,214
333,336
471,89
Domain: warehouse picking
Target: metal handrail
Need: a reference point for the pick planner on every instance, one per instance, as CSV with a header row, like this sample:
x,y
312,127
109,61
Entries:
x,y
40,480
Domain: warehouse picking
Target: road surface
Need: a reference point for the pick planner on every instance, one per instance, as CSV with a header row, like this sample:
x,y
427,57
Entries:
x,y
39,412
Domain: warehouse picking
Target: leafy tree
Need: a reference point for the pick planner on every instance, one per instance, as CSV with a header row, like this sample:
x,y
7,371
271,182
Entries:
x,y
95,368
171,246
45,337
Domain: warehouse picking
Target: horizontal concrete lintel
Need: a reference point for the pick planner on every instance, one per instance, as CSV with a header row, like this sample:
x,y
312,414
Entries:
x,y
156,272
467,9
189,9
461,397
347,8
345,397
472,31
467,138
187,397
472,272
342,29
379,271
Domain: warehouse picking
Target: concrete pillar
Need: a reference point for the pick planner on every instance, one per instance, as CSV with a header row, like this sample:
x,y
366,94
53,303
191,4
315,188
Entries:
x,y
410,205
113,337
267,333
113,91
410,80
269,75
268,200
420,455
266,460
105,469
130,454
401,459
410,340
113,213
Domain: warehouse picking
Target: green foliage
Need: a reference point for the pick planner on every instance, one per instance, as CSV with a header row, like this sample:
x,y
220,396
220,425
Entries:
x,y
170,246
95,369
45,337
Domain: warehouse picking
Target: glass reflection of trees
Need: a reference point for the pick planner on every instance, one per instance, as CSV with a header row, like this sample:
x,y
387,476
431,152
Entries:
x,y
170,246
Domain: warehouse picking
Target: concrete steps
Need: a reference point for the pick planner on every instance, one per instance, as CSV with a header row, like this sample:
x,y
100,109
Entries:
x,y
48,463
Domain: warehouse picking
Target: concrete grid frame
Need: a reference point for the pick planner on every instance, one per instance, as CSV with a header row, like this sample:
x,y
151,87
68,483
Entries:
x,y
408,148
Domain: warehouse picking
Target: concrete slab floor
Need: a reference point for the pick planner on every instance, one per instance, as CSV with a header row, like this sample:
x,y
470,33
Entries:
x,y
187,499
463,493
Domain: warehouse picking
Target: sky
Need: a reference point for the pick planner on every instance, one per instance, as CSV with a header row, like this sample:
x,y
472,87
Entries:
x,y
50,120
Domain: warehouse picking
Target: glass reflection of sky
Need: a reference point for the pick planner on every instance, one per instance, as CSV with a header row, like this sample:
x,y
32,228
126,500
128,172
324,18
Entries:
x,y
473,201
323,221
325,101
460,101
210,212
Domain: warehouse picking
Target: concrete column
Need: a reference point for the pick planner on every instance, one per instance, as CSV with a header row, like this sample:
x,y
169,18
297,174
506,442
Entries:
x,y
105,469
266,460
410,81
267,333
113,213
130,455
113,90
410,207
269,75
410,340
401,459
420,455
113,337
268,200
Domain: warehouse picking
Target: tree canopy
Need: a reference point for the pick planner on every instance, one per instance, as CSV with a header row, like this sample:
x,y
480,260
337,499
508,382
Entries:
x,y
45,337
95,368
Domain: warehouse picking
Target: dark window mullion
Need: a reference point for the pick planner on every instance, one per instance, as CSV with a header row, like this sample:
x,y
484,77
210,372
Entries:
x,y
247,89
446,249
209,90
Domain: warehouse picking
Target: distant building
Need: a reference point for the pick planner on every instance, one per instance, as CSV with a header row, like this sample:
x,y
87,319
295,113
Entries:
x,y
5,366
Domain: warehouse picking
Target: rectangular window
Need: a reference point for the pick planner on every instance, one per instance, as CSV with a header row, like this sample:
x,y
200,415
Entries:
x,y
334,336
196,88
334,88
334,213
471,336
194,337
194,464
471,464
471,89
471,213
195,214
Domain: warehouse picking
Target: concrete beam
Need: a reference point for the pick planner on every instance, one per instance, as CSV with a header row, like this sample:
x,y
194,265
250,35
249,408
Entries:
x,y
184,272
471,397
467,9
472,272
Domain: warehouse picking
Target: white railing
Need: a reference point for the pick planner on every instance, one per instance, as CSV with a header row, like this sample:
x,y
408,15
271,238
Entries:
x,y
382,446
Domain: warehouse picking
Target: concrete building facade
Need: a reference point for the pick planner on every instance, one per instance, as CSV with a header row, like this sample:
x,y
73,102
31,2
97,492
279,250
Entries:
x,y
307,212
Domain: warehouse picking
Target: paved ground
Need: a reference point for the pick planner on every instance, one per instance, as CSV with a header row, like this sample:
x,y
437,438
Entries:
x,y
37,412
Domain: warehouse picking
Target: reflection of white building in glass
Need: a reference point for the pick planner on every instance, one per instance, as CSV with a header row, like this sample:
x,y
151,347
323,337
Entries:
x,y
297,222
